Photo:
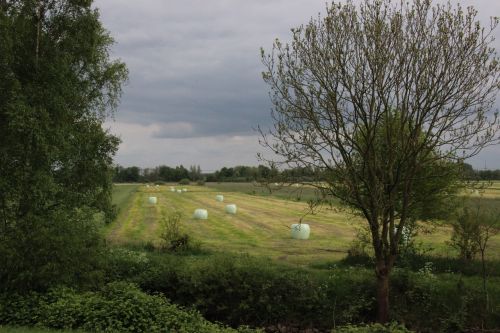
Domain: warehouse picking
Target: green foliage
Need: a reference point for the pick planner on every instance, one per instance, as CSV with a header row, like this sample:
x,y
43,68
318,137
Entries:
x,y
245,290
474,225
58,85
184,181
465,232
171,235
118,307
10,329
61,247
373,328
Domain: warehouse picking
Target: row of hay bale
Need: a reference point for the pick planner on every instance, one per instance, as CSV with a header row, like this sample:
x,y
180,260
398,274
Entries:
x,y
202,214
298,230
178,190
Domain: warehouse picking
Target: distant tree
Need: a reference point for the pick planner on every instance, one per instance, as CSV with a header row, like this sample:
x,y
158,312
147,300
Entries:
x,y
165,173
180,172
473,227
127,175
382,100
195,172
57,86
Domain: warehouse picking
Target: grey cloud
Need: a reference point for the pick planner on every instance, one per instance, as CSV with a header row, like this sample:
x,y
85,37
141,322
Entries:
x,y
195,70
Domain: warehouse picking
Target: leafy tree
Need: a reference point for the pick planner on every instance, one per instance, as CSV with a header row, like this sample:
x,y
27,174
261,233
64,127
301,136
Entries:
x,y
57,86
474,226
383,99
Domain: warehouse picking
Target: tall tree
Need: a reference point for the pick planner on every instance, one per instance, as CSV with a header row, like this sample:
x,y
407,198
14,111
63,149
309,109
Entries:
x,y
57,86
384,99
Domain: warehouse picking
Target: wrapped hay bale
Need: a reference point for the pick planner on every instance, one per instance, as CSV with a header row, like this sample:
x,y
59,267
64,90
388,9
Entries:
x,y
300,231
179,191
153,200
184,190
200,214
172,189
219,198
231,209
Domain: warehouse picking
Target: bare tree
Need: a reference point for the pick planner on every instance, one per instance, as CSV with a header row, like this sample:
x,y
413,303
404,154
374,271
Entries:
x,y
382,99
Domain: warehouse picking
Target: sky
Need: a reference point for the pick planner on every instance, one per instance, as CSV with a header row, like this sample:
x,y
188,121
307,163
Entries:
x,y
195,93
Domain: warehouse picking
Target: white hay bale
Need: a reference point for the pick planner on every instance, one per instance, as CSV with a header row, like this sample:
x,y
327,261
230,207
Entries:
x,y
184,190
157,185
231,209
179,191
300,231
147,185
276,184
219,198
200,214
172,189
153,200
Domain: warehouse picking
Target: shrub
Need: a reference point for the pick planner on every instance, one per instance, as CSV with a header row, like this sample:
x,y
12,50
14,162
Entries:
x,y
184,181
40,253
119,307
373,328
246,290
170,234
200,183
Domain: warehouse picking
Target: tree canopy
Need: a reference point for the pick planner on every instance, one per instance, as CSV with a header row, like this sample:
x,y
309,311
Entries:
x,y
58,85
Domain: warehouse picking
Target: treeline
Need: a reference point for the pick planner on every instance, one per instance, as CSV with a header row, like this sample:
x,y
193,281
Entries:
x,y
485,174
488,174
239,173
242,173
162,173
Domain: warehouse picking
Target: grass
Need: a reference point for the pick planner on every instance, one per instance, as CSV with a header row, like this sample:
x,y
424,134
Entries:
x,y
122,194
261,226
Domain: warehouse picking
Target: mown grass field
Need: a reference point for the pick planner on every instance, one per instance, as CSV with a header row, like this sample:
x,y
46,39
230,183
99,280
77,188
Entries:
x,y
261,225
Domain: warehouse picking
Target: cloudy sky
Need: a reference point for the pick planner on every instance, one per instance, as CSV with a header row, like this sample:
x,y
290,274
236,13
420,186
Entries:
x,y
195,92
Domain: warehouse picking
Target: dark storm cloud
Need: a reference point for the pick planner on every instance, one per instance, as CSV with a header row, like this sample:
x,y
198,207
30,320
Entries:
x,y
195,74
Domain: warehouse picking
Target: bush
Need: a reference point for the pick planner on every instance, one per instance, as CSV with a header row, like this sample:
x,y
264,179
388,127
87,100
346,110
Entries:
x,y
40,253
120,307
170,234
200,183
184,181
374,328
245,290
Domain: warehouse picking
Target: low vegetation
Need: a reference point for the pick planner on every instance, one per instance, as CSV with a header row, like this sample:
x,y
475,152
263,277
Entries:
x,y
118,307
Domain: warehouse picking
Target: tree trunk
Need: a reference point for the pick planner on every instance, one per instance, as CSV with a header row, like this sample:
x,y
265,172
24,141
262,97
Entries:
x,y
382,294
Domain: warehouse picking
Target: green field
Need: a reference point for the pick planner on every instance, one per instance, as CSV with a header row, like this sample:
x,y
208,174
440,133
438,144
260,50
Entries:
x,y
261,225
122,194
